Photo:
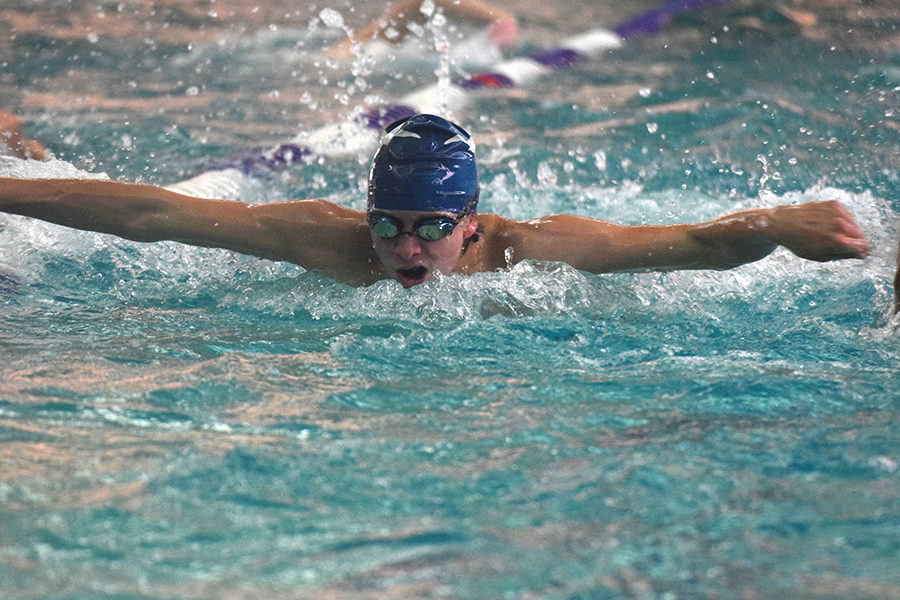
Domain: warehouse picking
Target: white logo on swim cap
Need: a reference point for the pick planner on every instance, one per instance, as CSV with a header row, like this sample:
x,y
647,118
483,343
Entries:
x,y
459,138
397,131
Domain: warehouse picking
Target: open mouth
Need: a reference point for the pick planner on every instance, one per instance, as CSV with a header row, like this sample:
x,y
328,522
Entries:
x,y
412,276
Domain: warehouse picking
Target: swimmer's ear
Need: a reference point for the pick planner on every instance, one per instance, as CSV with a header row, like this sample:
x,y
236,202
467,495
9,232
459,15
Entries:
x,y
470,226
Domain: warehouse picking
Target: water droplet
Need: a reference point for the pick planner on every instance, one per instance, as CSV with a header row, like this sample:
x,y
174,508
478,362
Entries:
x,y
427,7
331,18
545,175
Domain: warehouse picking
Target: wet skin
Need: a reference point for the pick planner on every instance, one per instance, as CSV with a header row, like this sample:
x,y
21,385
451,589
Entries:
x,y
412,260
334,240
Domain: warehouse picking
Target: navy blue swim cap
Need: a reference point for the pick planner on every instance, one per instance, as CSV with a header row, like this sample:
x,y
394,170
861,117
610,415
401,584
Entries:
x,y
425,163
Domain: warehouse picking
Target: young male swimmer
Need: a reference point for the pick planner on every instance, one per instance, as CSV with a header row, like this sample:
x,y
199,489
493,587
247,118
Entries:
x,y
422,219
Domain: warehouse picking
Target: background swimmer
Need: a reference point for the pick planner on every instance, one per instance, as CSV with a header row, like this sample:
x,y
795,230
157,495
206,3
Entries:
x,y
393,25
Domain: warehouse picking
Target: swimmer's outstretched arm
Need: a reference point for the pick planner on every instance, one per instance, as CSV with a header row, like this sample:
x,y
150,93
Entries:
x,y
819,231
303,231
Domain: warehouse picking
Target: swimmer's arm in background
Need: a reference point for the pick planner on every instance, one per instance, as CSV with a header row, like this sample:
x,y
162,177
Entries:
x,y
503,31
315,234
16,143
819,231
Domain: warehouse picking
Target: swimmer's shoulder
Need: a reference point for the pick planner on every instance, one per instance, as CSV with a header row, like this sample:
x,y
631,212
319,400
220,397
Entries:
x,y
501,229
320,211
496,235
322,236
314,221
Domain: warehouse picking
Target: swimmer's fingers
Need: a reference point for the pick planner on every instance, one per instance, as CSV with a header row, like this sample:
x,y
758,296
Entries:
x,y
819,231
855,247
845,235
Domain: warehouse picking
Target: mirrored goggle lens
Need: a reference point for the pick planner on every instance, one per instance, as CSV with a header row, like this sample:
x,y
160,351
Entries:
x,y
430,230
435,230
384,227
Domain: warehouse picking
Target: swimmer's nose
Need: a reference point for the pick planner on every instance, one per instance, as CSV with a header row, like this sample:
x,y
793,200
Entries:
x,y
406,246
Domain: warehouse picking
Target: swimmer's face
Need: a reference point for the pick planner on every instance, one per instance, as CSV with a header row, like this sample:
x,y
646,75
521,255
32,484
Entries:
x,y
408,257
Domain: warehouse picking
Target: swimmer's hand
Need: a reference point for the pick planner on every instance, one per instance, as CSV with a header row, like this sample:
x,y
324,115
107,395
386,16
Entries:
x,y
819,231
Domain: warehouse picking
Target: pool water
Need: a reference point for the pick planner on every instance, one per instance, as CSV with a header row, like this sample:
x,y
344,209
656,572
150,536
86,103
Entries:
x,y
178,422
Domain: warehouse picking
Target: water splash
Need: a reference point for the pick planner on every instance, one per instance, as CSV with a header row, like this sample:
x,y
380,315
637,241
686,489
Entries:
x,y
50,169
171,272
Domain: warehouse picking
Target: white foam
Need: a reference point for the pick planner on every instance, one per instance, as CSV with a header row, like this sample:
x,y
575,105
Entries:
x,y
592,43
225,185
39,169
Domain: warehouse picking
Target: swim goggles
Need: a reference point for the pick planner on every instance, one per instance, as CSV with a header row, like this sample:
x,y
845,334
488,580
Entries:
x,y
429,229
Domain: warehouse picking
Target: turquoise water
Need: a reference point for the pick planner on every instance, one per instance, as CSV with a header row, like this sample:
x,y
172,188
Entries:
x,y
179,422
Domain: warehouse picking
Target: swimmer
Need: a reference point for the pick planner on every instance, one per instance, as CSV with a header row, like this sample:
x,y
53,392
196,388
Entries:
x,y
422,219
395,20
14,143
